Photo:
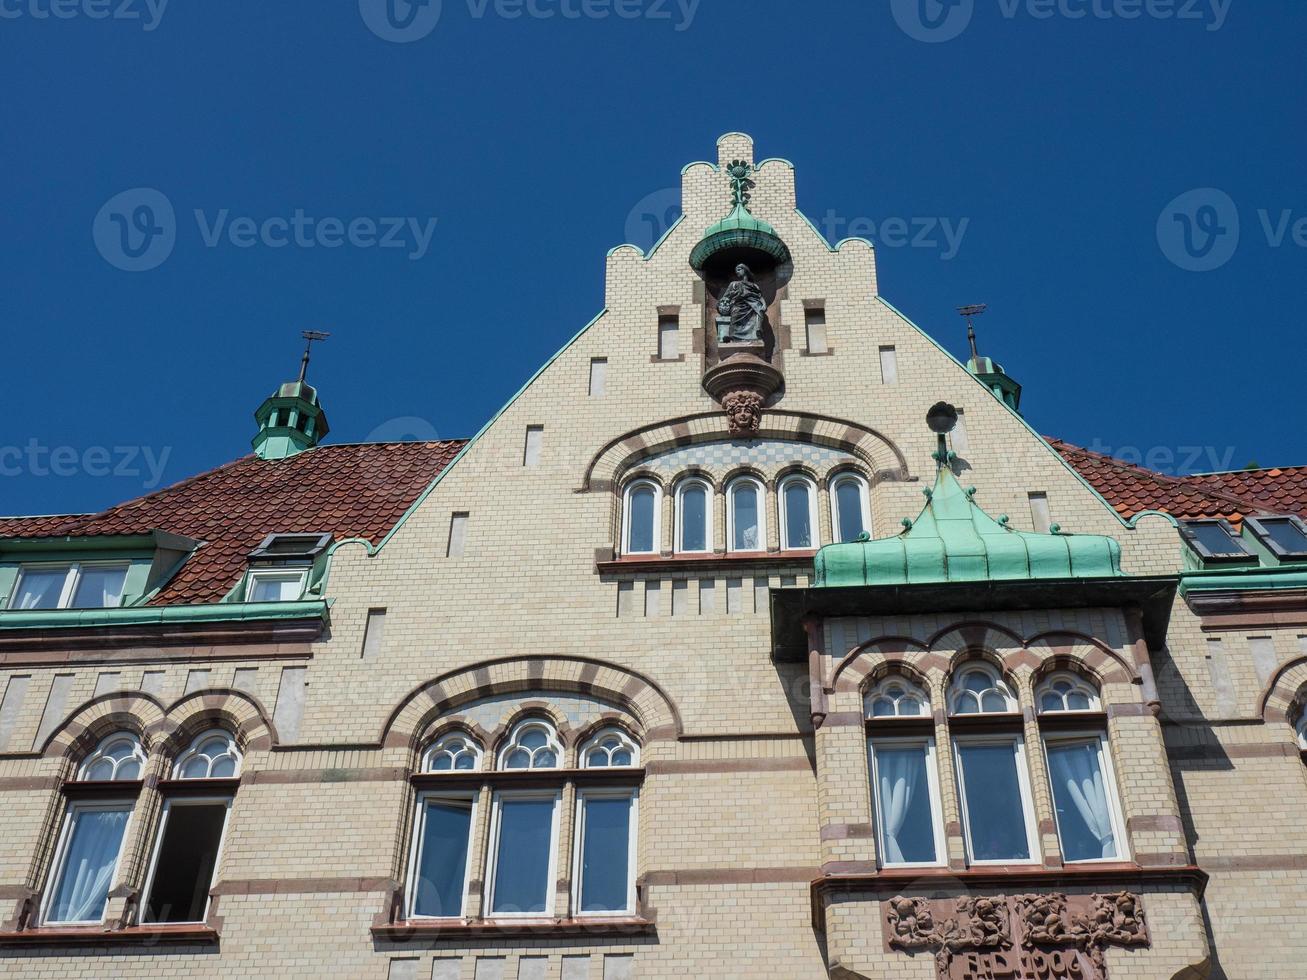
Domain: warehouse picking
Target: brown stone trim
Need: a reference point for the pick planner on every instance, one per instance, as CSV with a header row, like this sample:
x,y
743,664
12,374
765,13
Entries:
x,y
889,727
1073,720
290,776
844,719
846,831
99,790
670,766
1218,752
147,935
1155,821
462,929
730,876
1258,862
524,778
986,724
1162,859
301,886
655,359
719,564
18,784
828,352
198,787
1134,709
1047,826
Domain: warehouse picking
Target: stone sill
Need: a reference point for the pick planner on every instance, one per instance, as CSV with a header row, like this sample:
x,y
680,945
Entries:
x,y
462,929
151,935
705,563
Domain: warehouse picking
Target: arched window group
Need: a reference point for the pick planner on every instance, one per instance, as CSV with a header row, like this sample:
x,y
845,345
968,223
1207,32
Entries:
x,y
187,840
522,825
797,513
991,770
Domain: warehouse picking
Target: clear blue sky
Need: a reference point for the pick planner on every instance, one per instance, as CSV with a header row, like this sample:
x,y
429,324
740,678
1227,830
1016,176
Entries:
x,y
1059,140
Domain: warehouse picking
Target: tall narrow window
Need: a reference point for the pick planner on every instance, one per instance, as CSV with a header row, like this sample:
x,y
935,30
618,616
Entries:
x,y
525,853
961,443
535,437
605,852
908,826
889,366
849,507
997,812
798,513
1039,513
86,861
815,321
439,880
1084,798
669,337
693,516
640,518
457,535
598,376
747,527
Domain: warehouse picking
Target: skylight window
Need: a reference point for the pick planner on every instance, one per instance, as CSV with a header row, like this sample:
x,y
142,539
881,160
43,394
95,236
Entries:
x,y
290,547
1286,537
1215,541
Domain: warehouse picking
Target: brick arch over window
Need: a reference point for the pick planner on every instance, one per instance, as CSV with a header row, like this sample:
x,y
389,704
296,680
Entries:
x,y
1286,695
646,702
84,727
240,713
882,458
1082,655
867,662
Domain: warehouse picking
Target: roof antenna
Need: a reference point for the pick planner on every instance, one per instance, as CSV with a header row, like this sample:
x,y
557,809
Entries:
x,y
310,336
970,312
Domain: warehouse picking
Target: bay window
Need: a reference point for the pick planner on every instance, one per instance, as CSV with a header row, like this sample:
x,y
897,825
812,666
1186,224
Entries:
x,y
997,813
1084,798
798,501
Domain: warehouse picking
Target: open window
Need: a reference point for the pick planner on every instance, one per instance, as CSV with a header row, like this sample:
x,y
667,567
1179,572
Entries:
x,y
1089,823
439,866
745,515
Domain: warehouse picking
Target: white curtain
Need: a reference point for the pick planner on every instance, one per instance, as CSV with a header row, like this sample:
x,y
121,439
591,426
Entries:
x,y
1076,769
40,589
900,773
83,889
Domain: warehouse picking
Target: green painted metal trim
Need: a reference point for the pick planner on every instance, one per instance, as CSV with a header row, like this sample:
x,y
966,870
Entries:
x,y
216,612
1236,579
656,245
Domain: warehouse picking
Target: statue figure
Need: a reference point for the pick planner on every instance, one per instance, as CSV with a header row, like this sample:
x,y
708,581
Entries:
x,y
742,310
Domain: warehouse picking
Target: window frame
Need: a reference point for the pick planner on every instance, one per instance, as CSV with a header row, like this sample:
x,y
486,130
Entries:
x,y
1116,811
1258,525
1301,731
864,503
910,689
1017,741
256,575
437,746
657,535
678,544
1086,687
57,866
761,489
72,578
511,743
998,683
1244,556
589,745
583,794
97,754
492,859
932,787
227,799
192,749
415,855
783,512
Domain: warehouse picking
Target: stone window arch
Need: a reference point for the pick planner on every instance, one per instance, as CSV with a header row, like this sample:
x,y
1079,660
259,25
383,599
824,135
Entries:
x,y
897,697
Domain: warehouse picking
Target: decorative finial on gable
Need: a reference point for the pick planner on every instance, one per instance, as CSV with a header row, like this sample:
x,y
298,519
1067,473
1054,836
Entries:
x,y
742,182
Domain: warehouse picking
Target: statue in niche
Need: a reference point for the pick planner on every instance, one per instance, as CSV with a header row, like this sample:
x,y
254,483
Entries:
x,y
742,310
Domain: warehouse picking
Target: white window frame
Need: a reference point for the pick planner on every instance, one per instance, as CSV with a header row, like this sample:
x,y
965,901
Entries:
x,y
107,742
627,492
555,745
168,806
710,500
1109,781
415,851
1077,682
439,746
61,855
910,690
864,501
811,486
492,863
1302,732
72,576
192,750
277,573
1023,782
932,787
605,793
761,489
997,683
631,745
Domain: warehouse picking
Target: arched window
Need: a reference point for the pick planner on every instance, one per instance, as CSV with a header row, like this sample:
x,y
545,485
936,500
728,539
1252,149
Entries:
x,y
896,697
118,758
533,744
745,517
640,518
850,510
1302,732
455,752
212,755
798,513
979,690
1065,691
611,748
693,516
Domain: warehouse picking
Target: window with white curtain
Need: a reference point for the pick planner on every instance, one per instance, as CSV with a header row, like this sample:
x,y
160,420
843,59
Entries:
x,y
998,816
1302,732
896,697
977,688
86,860
641,515
694,498
905,788
1065,691
850,507
75,585
118,758
745,514
1084,798
798,502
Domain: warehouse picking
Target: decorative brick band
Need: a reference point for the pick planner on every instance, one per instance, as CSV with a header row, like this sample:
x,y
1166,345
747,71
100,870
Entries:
x,y
846,831
291,776
15,784
1155,821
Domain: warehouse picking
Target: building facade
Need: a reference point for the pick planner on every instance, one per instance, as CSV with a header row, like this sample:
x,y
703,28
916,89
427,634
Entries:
x,y
756,636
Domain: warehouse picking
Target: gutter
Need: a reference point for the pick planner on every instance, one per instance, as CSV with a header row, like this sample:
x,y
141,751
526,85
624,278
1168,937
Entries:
x,y
217,612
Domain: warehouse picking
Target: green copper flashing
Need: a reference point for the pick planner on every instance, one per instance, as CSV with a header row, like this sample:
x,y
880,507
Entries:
x,y
954,540
1242,579
290,421
739,229
222,612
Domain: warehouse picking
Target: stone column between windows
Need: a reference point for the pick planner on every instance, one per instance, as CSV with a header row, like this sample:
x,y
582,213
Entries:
x,y
667,533
51,825
566,824
138,846
950,807
844,788
1040,783
479,856
719,540
825,514
772,502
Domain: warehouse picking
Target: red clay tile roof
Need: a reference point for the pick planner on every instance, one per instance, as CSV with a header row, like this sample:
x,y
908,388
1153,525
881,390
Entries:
x,y
350,491
1132,489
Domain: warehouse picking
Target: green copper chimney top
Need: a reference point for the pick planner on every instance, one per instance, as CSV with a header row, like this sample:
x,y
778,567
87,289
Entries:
x,y
291,420
739,237
953,540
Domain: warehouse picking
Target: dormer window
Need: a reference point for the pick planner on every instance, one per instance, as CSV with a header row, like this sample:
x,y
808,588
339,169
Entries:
x,y
1285,537
276,586
75,585
1216,542
280,566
